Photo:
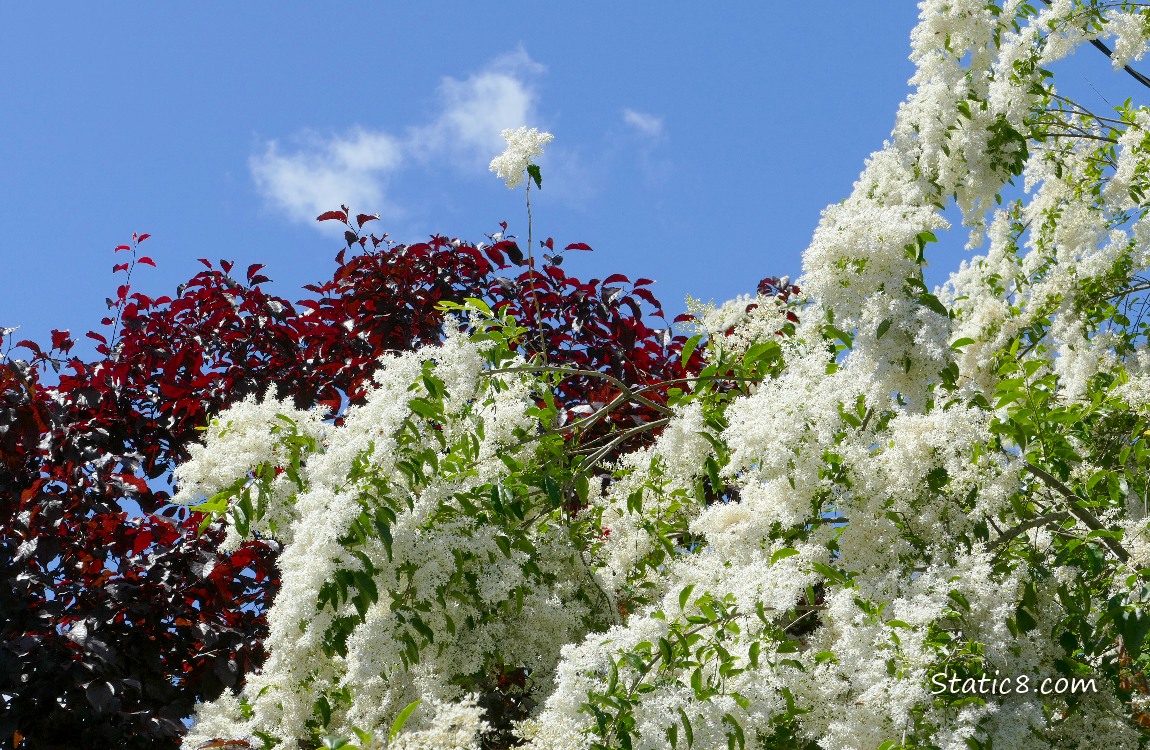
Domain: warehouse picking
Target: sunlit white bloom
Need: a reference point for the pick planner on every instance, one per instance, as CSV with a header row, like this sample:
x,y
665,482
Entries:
x,y
523,148
453,726
1131,30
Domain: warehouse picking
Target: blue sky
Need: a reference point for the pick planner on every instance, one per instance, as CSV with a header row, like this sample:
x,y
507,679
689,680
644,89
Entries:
x,y
693,145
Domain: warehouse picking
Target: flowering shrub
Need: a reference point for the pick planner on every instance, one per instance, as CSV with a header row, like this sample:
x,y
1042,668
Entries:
x,y
879,516
115,623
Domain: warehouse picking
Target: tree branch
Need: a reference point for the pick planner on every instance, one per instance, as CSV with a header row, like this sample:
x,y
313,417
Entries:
x,y
1106,51
591,374
1027,526
1083,515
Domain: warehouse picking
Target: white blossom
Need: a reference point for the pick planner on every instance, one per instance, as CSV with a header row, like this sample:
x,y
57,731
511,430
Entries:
x,y
523,148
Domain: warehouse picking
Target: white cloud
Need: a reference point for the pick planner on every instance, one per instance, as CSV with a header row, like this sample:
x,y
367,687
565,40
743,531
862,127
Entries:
x,y
354,168
474,111
649,125
349,169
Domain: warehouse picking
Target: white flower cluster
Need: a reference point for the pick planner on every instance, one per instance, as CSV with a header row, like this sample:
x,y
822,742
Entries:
x,y
523,147
1131,31
239,441
739,323
502,607
455,726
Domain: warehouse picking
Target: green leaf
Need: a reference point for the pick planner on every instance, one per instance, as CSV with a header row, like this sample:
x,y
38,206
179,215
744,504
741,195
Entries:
x,y
713,475
839,334
931,302
684,595
830,573
782,554
883,327
423,628
736,735
1134,625
690,735
697,682
666,652
690,346
1025,620
400,720
384,530
536,177
479,305
423,408
323,708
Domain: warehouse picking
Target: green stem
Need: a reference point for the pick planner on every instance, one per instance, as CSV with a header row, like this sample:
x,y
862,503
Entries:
x,y
531,271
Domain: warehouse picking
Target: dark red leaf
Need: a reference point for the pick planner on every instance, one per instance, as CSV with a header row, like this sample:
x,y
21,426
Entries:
x,y
496,255
646,295
133,480
253,269
362,219
329,215
512,250
616,277
147,261
120,267
578,246
349,237
122,247
96,336
142,237
102,696
226,265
